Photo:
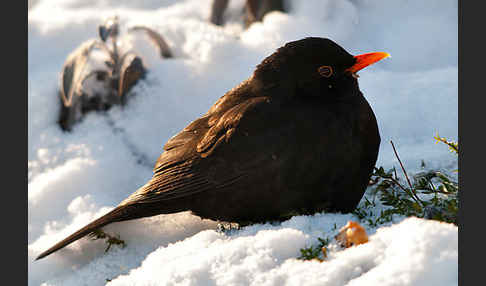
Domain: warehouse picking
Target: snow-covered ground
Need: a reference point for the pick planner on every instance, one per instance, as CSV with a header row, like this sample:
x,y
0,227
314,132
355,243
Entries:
x,y
78,176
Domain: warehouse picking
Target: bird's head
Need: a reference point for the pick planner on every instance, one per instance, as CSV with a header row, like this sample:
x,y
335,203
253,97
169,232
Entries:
x,y
315,66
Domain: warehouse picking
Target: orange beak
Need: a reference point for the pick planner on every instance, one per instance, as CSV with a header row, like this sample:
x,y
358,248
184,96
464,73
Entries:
x,y
365,60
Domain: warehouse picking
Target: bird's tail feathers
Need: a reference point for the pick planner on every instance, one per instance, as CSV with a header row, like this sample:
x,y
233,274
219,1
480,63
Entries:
x,y
112,216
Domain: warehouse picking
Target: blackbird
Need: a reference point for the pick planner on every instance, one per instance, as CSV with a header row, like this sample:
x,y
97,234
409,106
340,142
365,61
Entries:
x,y
297,137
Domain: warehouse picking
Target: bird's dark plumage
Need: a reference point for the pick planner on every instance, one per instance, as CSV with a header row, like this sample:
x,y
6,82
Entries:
x,y
297,137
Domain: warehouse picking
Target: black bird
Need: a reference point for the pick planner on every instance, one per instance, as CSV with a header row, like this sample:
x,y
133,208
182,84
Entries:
x,y
297,137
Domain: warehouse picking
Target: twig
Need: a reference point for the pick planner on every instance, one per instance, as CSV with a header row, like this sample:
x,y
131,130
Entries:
x,y
406,176
406,191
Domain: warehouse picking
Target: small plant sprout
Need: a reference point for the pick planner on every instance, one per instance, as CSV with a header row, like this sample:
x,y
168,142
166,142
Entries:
x,y
453,146
439,188
110,240
315,251
100,72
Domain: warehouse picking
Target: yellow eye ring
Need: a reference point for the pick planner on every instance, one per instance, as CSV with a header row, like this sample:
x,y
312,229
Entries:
x,y
325,71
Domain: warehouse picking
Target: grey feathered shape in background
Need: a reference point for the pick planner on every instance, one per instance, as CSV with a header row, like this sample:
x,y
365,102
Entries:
x,y
121,72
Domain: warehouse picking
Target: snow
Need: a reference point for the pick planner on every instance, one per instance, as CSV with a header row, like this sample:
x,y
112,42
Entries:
x,y
78,176
267,257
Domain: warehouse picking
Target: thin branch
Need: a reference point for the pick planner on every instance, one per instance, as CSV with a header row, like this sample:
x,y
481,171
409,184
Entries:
x,y
416,199
406,176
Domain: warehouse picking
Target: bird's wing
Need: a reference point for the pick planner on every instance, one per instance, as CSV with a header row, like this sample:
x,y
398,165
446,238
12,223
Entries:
x,y
193,160
222,128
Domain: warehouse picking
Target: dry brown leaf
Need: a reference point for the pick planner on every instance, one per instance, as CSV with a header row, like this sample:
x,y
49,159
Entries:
x,y
351,234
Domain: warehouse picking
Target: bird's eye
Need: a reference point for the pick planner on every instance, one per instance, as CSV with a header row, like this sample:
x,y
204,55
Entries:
x,y
325,71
